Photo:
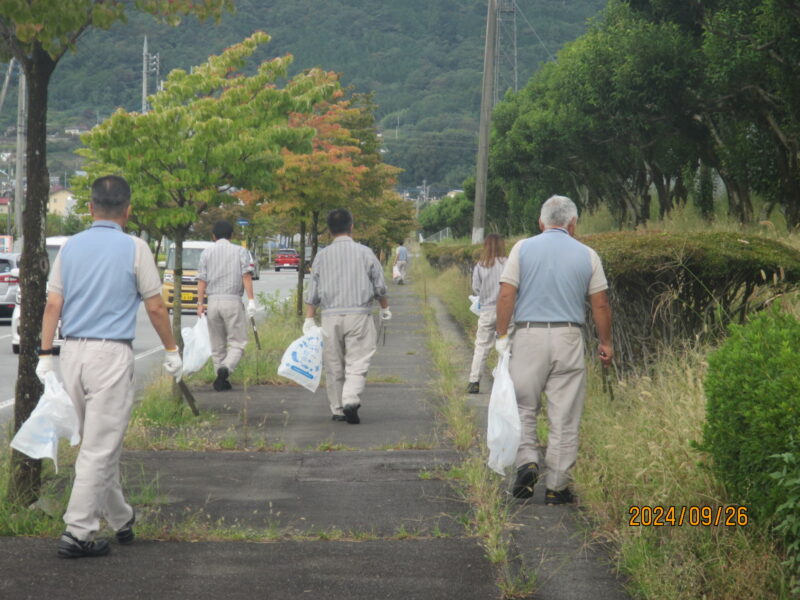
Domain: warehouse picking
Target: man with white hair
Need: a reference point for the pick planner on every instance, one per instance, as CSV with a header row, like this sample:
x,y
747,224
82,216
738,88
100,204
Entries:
x,y
544,285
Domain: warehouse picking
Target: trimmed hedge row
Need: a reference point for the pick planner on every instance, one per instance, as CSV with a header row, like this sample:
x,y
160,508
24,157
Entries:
x,y
669,287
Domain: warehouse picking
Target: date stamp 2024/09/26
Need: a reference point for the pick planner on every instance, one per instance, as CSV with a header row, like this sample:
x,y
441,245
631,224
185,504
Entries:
x,y
694,516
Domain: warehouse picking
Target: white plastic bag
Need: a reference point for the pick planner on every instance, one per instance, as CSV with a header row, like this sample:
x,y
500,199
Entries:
x,y
474,305
54,417
505,428
396,274
302,361
196,346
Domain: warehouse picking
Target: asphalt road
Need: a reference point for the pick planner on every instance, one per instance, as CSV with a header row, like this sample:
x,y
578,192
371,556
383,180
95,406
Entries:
x,y
146,347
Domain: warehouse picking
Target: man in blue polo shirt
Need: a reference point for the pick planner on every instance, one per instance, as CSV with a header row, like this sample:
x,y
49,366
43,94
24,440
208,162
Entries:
x,y
96,283
545,283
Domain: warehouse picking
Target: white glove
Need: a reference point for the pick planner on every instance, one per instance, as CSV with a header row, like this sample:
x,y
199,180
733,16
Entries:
x,y
173,363
502,344
308,324
386,314
251,309
44,366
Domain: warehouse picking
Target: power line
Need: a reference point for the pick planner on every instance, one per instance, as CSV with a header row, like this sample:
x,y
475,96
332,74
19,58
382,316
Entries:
x,y
533,29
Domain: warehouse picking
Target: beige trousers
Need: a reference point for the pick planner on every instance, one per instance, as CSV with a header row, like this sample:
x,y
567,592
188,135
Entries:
x,y
227,328
350,341
402,266
549,361
484,342
98,376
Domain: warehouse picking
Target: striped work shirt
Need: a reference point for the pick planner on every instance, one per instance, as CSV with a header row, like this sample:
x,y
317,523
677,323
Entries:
x,y
486,283
222,267
346,278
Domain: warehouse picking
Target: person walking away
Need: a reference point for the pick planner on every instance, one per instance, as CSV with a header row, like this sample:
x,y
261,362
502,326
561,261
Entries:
x,y
486,285
544,285
401,261
96,283
346,278
224,274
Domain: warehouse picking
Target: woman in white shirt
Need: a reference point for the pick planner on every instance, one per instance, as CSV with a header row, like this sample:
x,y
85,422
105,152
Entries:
x,y
486,285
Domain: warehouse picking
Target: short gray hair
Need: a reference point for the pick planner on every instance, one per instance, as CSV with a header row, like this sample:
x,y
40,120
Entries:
x,y
558,211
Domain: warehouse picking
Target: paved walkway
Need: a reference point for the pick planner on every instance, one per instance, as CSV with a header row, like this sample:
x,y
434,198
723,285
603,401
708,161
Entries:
x,y
343,511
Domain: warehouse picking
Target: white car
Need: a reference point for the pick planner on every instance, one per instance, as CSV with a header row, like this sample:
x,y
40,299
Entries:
x,y
53,245
9,269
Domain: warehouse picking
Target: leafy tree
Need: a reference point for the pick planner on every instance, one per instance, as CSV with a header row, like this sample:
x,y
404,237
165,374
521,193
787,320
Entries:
x,y
38,34
209,131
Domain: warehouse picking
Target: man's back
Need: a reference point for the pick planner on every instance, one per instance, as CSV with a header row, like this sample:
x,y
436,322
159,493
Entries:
x,y
346,277
222,267
103,273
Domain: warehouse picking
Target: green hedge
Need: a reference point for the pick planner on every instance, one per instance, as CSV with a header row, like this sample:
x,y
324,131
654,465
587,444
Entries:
x,y
668,287
753,409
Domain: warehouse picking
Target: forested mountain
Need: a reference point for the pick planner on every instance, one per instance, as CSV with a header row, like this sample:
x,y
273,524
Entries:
x,y
422,58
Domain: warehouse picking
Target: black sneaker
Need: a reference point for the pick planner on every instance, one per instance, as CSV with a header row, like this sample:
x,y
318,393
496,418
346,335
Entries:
x,y
351,414
125,533
527,476
71,547
222,379
338,418
473,387
553,497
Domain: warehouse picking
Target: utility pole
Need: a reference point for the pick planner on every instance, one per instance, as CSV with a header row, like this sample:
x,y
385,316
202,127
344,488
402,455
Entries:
x,y
479,216
5,83
19,185
145,68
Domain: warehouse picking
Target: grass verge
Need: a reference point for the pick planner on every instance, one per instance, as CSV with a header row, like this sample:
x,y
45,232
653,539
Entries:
x,y
489,517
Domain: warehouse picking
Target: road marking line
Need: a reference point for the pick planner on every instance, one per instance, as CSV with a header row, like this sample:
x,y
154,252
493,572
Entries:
x,y
147,352
10,401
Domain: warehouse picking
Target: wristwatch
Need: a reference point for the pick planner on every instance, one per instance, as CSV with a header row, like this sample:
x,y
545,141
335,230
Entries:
x,y
43,352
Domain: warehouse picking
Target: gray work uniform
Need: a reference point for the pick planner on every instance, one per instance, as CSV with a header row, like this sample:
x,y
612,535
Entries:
x,y
485,285
346,278
553,274
102,275
222,267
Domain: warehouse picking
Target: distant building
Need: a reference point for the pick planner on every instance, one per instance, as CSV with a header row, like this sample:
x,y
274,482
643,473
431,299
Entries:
x,y
61,201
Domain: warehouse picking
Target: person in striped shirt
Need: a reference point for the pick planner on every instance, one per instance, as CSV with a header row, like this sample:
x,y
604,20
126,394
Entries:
x,y
486,285
346,279
225,273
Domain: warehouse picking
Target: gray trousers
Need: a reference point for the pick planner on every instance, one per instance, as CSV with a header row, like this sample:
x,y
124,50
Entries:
x,y
98,376
227,328
549,361
350,341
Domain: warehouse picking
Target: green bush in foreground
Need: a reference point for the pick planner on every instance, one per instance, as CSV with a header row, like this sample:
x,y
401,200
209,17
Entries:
x,y
753,408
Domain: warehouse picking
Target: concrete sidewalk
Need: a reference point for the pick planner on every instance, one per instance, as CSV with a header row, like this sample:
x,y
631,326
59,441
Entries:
x,y
342,511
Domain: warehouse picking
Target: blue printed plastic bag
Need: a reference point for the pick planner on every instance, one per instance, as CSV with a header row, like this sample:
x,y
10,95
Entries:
x,y
302,361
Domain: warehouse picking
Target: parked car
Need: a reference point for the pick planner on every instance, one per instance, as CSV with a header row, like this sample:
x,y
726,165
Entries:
x,y
287,258
191,262
8,284
53,245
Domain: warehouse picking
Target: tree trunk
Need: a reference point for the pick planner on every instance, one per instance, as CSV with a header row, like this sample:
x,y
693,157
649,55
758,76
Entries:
x,y
25,477
178,288
314,234
301,270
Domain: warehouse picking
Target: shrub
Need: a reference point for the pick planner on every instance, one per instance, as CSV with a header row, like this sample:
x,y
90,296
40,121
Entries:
x,y
670,287
753,408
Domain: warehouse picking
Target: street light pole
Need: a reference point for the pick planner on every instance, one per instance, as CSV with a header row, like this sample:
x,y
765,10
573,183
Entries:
x,y
19,185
